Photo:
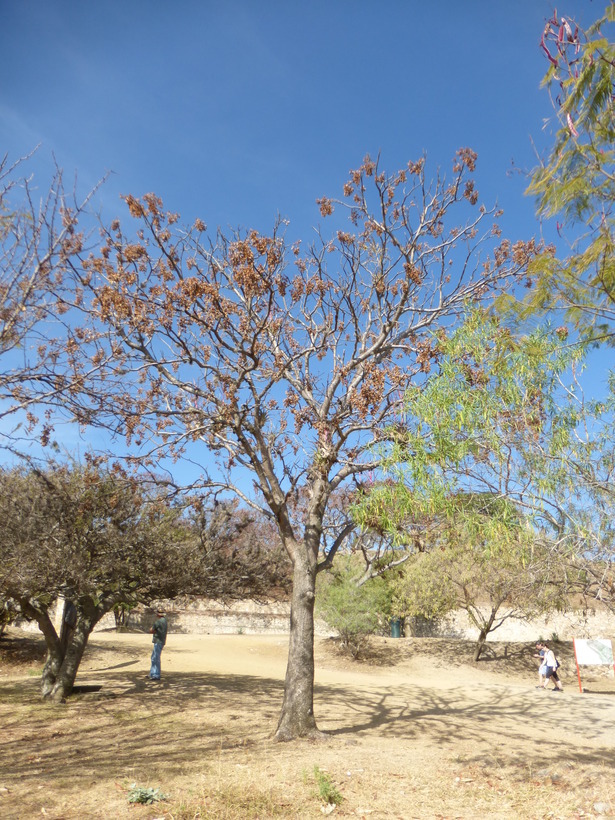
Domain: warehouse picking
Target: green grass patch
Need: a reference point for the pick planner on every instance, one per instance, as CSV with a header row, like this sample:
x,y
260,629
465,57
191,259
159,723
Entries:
x,y
327,790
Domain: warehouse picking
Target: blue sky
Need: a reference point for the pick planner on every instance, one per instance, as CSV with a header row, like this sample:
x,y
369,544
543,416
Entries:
x,y
238,110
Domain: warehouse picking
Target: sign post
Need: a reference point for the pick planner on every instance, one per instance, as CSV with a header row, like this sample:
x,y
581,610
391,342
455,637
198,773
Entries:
x,y
592,652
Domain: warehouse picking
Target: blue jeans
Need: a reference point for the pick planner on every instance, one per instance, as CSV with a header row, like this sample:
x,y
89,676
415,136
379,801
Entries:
x,y
154,672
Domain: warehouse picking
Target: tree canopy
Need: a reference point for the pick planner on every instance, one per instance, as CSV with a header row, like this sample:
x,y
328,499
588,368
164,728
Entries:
x,y
503,446
490,581
97,538
39,237
575,182
283,363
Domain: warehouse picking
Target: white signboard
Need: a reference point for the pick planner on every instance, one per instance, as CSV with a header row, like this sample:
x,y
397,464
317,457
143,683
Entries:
x,y
593,651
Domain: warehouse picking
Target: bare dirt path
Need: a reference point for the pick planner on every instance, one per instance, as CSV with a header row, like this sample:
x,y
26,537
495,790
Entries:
x,y
419,731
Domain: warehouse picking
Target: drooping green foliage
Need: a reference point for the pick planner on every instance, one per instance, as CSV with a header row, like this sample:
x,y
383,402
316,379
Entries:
x,y
490,428
575,184
502,449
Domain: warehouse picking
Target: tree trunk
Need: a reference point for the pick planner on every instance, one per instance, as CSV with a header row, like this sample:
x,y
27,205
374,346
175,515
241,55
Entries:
x,y
66,674
297,717
55,654
480,644
52,666
64,652
485,629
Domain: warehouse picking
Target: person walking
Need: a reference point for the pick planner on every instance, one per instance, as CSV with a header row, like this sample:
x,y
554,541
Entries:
x,y
542,669
552,665
159,631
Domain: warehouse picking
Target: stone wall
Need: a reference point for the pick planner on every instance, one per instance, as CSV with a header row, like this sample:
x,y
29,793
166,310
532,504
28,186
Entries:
x,y
563,626
210,617
250,618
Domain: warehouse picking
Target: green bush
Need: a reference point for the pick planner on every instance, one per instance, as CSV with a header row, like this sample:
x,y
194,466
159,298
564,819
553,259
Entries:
x,y
354,612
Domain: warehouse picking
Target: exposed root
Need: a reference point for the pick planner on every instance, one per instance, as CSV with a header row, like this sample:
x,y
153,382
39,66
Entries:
x,y
312,736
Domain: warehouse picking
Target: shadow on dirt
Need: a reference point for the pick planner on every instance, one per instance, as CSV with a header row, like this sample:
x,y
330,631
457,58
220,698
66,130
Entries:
x,y
505,658
21,650
448,652
122,723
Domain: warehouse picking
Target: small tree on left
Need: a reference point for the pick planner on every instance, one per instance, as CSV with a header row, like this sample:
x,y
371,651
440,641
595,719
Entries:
x,y
96,538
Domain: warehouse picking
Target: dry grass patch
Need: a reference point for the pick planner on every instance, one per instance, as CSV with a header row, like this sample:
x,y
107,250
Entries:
x,y
421,732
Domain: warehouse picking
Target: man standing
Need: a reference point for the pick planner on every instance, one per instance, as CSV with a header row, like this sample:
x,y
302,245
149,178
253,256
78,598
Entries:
x,y
159,631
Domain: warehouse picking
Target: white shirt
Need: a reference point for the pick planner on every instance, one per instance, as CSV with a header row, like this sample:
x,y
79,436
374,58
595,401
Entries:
x,y
550,658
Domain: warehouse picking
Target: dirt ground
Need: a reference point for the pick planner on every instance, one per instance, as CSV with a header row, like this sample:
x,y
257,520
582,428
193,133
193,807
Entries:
x,y
416,731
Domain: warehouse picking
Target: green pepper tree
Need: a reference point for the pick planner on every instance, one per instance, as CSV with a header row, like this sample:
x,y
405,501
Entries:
x,y
574,184
506,425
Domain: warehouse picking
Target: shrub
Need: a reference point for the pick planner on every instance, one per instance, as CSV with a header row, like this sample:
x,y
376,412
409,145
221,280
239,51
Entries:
x,y
145,795
354,611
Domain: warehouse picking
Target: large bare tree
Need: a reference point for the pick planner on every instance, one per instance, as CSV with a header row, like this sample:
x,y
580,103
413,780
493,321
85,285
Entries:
x,y
277,368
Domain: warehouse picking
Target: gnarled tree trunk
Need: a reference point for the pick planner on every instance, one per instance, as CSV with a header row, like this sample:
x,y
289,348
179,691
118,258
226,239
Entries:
x,y
53,663
55,653
485,628
64,651
65,676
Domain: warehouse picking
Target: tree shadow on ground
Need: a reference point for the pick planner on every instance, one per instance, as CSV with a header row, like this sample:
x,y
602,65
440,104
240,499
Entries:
x,y
191,719
122,665
207,729
21,650
500,657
